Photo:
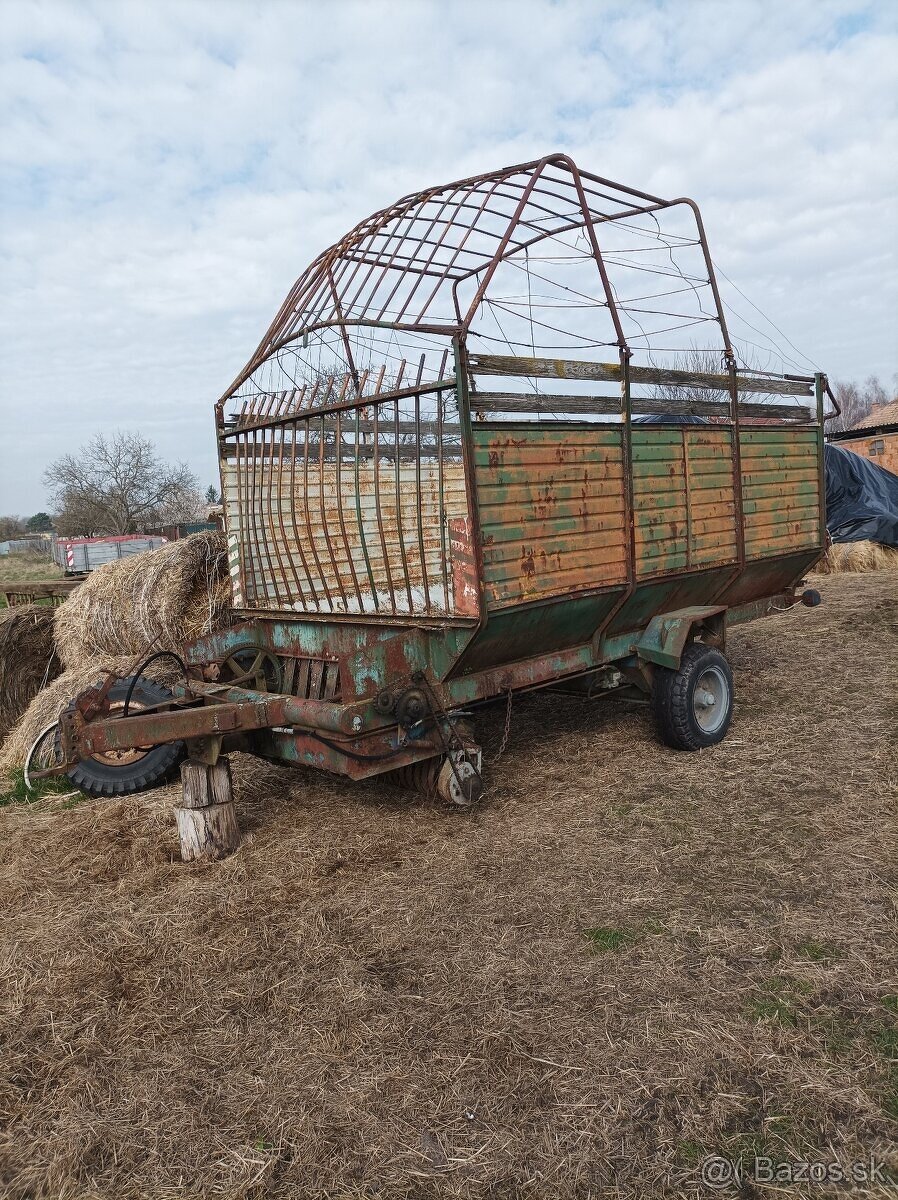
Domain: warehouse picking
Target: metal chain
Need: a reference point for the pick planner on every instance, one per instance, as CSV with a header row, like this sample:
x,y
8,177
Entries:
x,y
503,745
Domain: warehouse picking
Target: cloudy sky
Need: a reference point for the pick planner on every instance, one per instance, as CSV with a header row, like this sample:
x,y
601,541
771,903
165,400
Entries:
x,y
169,169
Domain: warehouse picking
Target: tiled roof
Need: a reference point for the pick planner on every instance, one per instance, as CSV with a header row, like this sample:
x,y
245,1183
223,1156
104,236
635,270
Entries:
x,y
887,415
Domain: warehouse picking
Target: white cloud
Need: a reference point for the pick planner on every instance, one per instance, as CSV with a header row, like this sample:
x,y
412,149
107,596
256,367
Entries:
x,y
169,169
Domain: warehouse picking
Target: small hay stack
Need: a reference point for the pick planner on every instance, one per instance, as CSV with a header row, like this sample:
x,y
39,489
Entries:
x,y
158,599
858,556
27,659
151,601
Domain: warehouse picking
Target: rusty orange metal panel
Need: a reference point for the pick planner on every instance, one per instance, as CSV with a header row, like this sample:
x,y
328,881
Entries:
x,y
684,507
780,489
552,510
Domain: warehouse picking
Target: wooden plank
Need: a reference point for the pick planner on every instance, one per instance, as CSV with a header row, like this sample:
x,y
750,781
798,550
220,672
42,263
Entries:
x,y
551,404
586,433
515,402
558,368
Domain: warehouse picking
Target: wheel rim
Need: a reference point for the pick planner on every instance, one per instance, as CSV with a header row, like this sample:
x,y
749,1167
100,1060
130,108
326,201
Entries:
x,y
121,758
710,700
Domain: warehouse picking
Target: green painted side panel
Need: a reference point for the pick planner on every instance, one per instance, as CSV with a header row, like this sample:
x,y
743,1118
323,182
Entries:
x,y
371,656
684,509
663,595
552,512
520,633
767,576
780,490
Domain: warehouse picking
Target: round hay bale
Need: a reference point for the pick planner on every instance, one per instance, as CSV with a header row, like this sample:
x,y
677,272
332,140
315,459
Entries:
x,y
161,598
27,659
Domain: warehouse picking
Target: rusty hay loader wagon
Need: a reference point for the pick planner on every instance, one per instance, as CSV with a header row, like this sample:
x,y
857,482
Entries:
x,y
441,488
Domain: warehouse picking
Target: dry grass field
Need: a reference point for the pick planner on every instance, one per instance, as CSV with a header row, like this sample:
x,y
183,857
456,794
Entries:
x,y
624,960
27,568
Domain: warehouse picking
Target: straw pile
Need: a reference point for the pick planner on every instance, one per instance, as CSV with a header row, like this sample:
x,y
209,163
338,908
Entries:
x,y
161,598
151,601
858,556
27,659
624,960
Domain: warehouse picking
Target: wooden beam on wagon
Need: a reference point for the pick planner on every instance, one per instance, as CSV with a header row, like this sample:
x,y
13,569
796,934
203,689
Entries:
x,y
544,405
561,368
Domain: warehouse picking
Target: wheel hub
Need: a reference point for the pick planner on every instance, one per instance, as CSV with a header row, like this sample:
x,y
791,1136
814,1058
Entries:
x,y
708,700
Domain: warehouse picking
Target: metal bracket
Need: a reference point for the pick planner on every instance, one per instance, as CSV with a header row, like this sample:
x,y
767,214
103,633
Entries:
x,y
666,635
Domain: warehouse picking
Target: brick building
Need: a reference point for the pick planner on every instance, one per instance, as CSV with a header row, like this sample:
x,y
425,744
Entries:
x,y
874,436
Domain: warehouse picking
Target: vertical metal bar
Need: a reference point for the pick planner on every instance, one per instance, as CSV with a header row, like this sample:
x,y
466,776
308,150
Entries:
x,y
819,385
737,464
358,515
472,513
628,497
339,457
441,512
266,477
345,336
325,525
712,277
326,598
419,501
254,510
290,553
243,510
684,434
627,464
296,534
397,469
277,540
379,511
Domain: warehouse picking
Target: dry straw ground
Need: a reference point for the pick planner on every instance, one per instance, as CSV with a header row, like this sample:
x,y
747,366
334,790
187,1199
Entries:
x,y
625,959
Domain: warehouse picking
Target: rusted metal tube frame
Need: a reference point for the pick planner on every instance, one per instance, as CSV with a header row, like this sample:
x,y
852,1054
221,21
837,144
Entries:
x,y
376,223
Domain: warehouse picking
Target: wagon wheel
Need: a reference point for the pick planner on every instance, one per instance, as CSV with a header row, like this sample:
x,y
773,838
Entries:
x,y
124,772
252,664
43,755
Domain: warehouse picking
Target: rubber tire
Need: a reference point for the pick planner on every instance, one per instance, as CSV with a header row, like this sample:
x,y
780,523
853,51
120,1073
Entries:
x,y
100,779
672,699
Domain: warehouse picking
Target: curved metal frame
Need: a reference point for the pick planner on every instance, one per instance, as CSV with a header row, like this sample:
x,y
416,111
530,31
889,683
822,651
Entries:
x,y
410,240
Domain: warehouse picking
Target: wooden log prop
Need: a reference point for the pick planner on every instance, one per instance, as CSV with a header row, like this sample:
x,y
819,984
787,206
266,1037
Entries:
x,y
206,817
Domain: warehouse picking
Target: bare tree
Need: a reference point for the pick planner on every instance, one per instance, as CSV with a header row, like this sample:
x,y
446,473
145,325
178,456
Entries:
x,y
113,485
184,506
856,402
682,397
11,527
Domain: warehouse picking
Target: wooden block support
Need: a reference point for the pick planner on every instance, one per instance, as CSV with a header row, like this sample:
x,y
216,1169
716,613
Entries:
x,y
206,817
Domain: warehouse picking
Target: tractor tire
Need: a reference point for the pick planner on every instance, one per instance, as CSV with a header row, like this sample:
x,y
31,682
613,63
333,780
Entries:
x,y
694,705
123,773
